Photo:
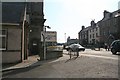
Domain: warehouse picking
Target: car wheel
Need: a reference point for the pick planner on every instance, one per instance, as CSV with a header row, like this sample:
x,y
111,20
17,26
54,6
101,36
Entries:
x,y
113,51
83,50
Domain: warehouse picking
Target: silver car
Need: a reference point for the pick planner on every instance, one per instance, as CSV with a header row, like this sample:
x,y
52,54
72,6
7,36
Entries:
x,y
75,48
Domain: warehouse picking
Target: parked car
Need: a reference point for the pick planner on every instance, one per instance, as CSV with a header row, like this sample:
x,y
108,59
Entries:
x,y
75,48
115,46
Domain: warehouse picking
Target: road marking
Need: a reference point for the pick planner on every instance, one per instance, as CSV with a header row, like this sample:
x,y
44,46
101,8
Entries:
x,y
105,57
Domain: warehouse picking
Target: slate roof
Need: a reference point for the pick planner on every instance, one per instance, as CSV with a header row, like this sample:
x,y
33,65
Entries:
x,y
12,12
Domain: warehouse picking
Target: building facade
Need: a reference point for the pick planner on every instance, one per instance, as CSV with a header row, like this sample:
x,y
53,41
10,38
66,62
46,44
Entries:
x,y
12,32
104,31
83,36
89,35
109,27
93,33
36,19
22,23
11,48
71,41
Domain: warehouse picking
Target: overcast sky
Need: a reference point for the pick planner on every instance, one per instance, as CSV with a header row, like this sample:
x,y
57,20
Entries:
x,y
67,16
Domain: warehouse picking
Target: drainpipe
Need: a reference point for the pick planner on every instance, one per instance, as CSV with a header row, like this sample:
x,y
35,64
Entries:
x,y
23,34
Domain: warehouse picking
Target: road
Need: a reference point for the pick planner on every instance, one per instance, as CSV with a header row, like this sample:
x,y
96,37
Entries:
x,y
90,64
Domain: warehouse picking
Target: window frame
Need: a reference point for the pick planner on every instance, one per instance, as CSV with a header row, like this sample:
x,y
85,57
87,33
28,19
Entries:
x,y
96,34
3,35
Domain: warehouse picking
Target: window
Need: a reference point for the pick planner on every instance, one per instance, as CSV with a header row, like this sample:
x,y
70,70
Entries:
x,y
96,34
90,42
93,36
84,36
90,30
90,36
96,29
3,34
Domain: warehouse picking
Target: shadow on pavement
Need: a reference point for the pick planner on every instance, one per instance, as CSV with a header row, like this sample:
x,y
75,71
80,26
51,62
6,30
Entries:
x,y
25,69
20,70
8,65
117,54
71,59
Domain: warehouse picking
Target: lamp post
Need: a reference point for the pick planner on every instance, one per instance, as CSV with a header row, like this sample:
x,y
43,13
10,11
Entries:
x,y
44,40
65,37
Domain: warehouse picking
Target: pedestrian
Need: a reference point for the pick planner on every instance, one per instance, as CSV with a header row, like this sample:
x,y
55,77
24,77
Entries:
x,y
77,53
70,53
106,46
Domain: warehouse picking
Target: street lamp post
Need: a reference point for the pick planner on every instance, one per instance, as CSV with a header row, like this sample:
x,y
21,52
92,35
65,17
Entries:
x,y
65,37
44,40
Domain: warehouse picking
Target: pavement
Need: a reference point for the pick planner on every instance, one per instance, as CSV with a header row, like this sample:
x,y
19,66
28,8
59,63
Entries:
x,y
31,61
26,63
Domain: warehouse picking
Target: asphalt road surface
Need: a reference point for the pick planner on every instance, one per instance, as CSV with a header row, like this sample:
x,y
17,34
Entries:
x,y
89,64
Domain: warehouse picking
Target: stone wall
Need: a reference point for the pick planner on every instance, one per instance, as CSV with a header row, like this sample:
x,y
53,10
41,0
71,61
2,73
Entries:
x,y
52,54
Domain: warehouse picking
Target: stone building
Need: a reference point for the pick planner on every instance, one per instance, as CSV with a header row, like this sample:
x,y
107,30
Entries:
x,y
104,31
109,27
93,33
71,41
90,34
83,36
36,18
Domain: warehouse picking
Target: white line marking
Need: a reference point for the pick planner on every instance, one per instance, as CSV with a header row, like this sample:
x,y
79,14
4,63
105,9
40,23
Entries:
x,y
105,57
